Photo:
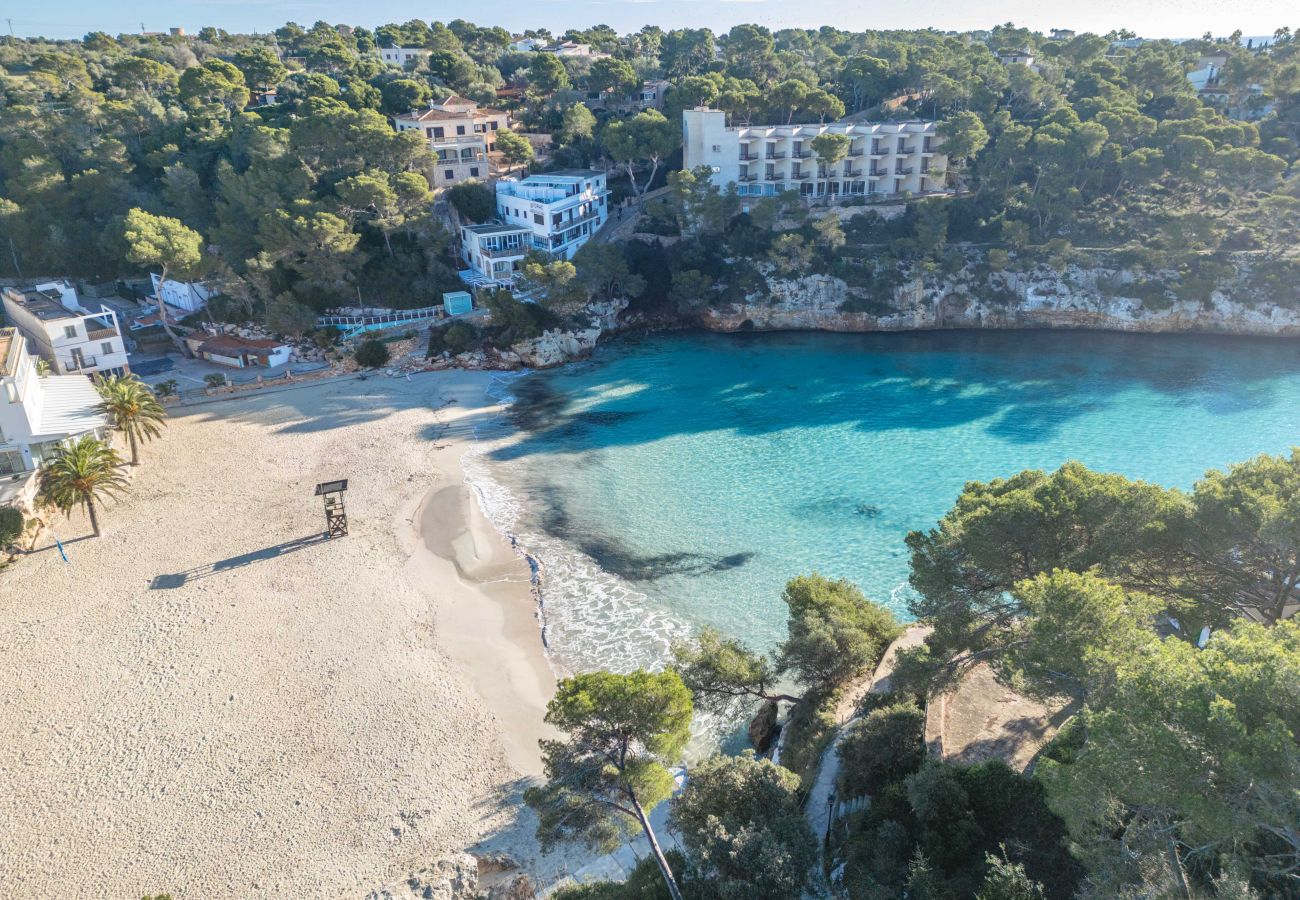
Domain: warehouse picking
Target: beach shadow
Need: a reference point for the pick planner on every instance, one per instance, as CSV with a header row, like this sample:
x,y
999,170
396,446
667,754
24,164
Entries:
x,y
180,579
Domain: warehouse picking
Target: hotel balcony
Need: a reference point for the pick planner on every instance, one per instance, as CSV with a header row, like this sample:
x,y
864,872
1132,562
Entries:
x,y
504,252
800,176
801,154
773,176
903,170
857,174
72,365
906,150
776,154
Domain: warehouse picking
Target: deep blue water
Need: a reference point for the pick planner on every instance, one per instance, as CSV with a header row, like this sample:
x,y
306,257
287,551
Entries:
x,y
682,479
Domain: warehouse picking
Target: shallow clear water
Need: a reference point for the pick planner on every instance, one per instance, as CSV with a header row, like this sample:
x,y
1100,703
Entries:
x,y
682,479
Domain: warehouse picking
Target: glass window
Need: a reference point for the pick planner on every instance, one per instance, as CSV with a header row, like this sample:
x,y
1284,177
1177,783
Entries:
x,y
449,174
106,348
11,462
70,331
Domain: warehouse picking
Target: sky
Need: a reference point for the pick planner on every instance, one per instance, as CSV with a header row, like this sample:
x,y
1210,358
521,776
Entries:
x,y
1148,18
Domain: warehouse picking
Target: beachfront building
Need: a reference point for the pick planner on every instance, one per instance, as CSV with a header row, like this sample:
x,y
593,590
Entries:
x,y
493,252
885,159
574,50
37,414
69,337
239,352
560,210
398,57
460,133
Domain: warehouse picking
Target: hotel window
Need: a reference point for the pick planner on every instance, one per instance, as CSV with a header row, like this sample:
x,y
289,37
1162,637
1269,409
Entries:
x,y
437,132
537,219
460,129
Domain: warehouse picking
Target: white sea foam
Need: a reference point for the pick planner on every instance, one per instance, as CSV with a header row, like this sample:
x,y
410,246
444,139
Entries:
x,y
591,618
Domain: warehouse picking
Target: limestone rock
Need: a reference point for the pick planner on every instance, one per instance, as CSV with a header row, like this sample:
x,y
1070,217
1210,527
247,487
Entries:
x,y
763,728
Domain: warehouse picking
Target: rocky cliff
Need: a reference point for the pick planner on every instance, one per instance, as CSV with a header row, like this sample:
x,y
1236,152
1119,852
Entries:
x,y
1042,298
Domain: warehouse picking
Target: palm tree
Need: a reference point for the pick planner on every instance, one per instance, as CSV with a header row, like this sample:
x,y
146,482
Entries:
x,y
134,409
82,473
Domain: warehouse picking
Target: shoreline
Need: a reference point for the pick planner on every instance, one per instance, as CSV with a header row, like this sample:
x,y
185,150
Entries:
x,y
493,628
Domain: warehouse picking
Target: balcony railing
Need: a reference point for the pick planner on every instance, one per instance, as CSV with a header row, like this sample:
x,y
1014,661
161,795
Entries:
x,y
905,150
745,157
801,154
498,252
903,170
800,176
853,174
877,173
773,176
748,178
775,154
72,365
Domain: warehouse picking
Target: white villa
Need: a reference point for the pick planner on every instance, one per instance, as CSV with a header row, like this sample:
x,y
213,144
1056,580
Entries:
x,y
462,134
885,159
400,56
555,213
70,338
37,415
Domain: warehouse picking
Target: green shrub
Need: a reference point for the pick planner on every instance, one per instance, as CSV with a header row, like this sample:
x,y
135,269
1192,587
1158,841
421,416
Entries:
x,y
214,380
166,388
326,337
889,744
11,525
371,353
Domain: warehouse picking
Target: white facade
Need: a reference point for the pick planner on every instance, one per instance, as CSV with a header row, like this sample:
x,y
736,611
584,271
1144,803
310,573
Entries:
x,y
526,45
37,414
574,49
399,56
885,159
560,210
70,338
187,295
494,252
1207,71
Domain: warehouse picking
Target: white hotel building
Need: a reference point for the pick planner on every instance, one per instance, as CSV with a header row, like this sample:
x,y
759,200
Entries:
x,y
885,159
555,214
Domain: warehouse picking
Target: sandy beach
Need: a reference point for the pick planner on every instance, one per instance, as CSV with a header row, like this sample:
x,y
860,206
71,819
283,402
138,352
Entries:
x,y
212,701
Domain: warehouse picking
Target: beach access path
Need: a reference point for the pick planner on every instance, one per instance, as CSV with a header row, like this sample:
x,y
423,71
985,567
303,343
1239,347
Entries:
x,y
212,701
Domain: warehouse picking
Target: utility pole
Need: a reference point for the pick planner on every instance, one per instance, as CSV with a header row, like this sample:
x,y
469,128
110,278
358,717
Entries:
x,y
11,27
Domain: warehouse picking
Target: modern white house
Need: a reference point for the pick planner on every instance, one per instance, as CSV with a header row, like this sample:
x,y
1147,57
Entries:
x,y
561,210
554,214
460,133
526,44
1018,58
37,414
1207,70
69,337
885,159
494,252
398,57
189,296
573,49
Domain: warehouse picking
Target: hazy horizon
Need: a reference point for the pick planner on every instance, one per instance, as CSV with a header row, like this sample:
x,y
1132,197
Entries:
x,y
67,19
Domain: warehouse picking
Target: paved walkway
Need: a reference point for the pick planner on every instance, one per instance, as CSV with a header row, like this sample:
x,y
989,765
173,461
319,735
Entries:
x,y
821,799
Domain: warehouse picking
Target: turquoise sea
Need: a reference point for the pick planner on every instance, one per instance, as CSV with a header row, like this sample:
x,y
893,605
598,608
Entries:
x,y
675,480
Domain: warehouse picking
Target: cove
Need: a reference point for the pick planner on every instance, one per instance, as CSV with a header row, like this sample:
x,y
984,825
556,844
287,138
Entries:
x,y
680,479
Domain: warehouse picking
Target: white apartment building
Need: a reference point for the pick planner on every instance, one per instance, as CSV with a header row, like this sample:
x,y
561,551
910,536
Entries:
x,y
37,415
573,49
70,338
462,134
398,57
885,159
561,210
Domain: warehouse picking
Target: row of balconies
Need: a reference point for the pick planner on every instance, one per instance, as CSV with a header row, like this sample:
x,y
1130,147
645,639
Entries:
x,y
854,153
853,173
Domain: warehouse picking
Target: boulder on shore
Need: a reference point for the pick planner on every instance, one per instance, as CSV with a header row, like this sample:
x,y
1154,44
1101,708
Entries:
x,y
763,729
